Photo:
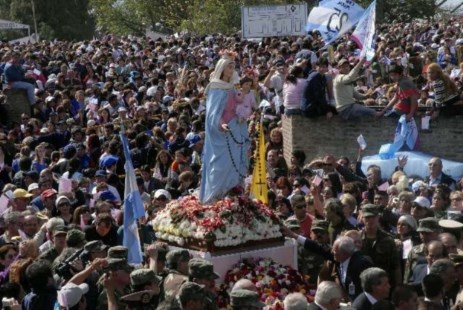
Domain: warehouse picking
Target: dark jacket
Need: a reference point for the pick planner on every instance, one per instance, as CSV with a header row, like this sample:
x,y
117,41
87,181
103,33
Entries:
x,y
358,263
445,179
362,302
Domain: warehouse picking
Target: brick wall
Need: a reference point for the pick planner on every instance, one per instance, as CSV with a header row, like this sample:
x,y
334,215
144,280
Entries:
x,y
320,136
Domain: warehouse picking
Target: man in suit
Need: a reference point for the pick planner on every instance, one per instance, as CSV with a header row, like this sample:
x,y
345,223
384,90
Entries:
x,y
433,292
433,251
345,263
375,284
404,297
436,176
327,297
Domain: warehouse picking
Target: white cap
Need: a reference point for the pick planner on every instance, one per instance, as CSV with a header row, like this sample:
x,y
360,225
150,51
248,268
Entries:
x,y
122,109
423,202
162,192
44,130
32,187
70,294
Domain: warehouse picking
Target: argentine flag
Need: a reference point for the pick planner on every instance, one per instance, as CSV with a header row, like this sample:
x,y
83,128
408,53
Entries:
x,y
133,208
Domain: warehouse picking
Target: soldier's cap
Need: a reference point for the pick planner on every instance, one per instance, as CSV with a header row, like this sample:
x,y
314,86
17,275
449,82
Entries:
x,y
115,264
201,269
75,236
292,223
428,224
320,225
370,210
245,298
450,224
174,256
138,298
191,290
118,252
144,276
95,246
60,230
457,259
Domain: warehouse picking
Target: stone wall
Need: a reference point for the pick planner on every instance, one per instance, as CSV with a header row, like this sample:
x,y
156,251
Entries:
x,y
320,136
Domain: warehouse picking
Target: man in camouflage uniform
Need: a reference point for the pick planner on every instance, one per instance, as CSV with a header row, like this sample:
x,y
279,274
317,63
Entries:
x,y
202,272
192,296
309,262
59,243
457,259
146,280
429,230
177,263
142,300
379,245
116,278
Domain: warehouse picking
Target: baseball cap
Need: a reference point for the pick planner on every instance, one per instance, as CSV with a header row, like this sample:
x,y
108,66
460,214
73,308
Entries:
x,y
201,269
245,298
32,186
70,294
194,139
144,276
21,193
342,62
100,173
162,192
422,202
369,210
48,193
109,161
62,199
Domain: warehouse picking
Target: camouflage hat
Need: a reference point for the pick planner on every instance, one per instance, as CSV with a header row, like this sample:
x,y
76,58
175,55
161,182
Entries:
x,y
457,259
320,225
75,237
142,298
144,276
292,223
59,230
370,210
428,224
191,290
118,252
201,269
245,298
95,246
115,264
174,256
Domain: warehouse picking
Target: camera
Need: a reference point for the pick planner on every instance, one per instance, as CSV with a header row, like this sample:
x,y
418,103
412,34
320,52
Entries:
x,y
64,269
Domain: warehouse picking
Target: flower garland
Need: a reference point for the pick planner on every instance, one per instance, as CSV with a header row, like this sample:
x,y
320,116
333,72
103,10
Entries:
x,y
273,281
231,221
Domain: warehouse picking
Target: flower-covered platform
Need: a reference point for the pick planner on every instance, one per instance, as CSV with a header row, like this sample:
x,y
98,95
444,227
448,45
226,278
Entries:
x,y
231,224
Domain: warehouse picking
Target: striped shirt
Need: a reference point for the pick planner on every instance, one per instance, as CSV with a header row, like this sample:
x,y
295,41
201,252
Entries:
x,y
440,94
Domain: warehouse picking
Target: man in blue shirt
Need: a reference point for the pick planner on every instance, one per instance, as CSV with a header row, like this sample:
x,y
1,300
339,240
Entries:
x,y
14,76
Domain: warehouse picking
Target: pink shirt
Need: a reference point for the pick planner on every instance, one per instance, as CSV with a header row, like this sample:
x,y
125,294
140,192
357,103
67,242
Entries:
x,y
229,111
292,94
244,108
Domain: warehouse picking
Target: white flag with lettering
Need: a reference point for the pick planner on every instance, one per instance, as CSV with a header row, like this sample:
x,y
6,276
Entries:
x,y
333,18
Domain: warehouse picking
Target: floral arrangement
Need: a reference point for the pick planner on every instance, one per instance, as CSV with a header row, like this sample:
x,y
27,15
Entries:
x,y
231,221
229,54
273,281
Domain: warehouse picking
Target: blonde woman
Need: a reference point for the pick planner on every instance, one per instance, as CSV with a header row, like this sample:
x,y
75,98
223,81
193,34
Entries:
x,y
447,98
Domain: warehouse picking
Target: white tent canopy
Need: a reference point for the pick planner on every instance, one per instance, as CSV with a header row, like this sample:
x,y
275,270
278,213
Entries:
x,y
7,24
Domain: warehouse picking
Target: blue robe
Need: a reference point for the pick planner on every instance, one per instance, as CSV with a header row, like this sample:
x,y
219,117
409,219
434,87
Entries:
x,y
225,159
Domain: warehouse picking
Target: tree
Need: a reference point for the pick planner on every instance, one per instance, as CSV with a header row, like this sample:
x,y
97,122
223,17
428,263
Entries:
x,y
400,10
66,20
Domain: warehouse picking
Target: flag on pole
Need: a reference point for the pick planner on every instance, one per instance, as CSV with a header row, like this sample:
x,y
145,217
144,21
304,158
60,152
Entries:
x,y
259,187
133,208
333,18
365,32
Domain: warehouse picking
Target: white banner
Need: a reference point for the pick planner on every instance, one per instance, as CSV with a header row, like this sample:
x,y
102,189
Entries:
x,y
333,18
273,20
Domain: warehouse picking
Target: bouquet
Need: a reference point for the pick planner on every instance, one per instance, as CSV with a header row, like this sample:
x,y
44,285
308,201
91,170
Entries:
x,y
273,281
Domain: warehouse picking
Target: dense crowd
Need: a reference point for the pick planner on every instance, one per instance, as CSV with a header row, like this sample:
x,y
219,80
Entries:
x,y
362,242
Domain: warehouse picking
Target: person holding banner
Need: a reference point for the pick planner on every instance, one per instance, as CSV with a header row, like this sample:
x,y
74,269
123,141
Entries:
x,y
227,139
345,93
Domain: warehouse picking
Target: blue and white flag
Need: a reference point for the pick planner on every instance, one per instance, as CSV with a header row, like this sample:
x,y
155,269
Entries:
x,y
133,208
333,18
365,32
405,133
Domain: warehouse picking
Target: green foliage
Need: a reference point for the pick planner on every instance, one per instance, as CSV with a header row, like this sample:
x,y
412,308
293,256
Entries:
x,y
66,20
401,10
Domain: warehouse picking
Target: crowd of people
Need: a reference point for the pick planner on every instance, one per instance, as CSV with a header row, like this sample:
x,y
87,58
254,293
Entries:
x,y
361,240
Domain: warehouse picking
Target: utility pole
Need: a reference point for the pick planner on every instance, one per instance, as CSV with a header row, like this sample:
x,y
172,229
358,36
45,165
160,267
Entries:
x,y
35,20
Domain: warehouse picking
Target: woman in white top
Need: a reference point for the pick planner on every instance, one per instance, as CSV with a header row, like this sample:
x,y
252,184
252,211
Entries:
x,y
293,91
